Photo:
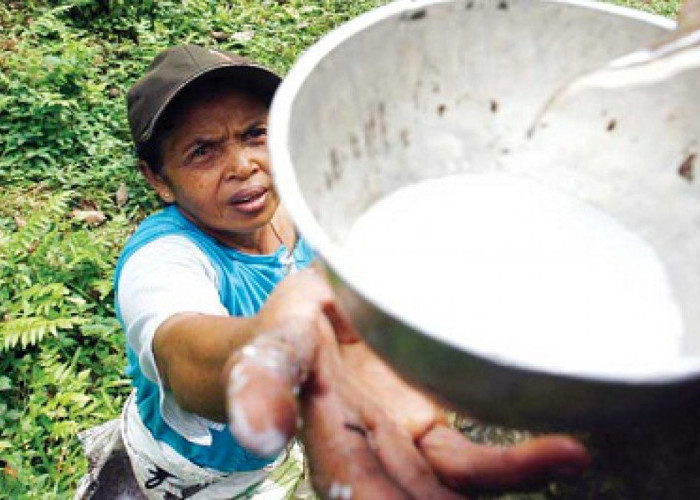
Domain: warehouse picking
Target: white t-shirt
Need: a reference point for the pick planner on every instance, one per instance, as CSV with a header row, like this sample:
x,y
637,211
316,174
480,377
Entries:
x,y
167,276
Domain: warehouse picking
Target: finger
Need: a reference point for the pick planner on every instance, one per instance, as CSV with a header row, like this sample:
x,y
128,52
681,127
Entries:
x,y
345,332
689,15
342,463
405,464
385,391
261,394
343,328
265,377
461,463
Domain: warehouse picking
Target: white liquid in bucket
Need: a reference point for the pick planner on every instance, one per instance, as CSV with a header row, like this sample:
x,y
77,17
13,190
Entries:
x,y
514,269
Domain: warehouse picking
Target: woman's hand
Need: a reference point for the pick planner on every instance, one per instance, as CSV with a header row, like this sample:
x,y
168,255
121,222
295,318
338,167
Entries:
x,y
366,429
367,434
263,377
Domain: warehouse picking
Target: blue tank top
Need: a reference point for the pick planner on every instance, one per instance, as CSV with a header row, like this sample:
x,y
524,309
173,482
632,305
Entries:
x,y
245,281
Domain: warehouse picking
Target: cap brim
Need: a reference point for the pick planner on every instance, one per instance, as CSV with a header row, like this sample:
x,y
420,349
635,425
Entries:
x,y
243,76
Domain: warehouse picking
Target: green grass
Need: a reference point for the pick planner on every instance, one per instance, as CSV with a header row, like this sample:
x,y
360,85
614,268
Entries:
x,y
65,66
663,7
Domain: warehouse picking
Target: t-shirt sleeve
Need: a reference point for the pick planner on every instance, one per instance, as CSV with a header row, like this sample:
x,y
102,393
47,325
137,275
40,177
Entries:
x,y
167,276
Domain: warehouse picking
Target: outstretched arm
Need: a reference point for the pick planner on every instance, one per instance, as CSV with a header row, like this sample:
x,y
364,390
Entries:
x,y
367,432
190,363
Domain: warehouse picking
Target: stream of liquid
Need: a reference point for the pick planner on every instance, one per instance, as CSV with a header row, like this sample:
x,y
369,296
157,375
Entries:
x,y
508,267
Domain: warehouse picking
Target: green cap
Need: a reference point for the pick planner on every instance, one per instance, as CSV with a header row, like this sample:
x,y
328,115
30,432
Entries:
x,y
175,69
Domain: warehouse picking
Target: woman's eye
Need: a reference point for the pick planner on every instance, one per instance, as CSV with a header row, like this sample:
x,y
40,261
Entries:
x,y
200,151
256,133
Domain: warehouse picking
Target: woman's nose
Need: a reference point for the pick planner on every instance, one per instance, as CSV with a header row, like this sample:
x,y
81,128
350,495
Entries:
x,y
240,163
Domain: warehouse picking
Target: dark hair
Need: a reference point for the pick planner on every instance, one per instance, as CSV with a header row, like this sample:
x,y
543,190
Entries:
x,y
151,151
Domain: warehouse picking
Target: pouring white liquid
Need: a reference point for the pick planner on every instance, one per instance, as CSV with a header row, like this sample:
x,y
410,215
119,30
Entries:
x,y
507,267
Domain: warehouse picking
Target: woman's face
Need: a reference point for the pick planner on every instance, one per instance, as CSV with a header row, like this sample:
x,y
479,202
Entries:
x,y
216,166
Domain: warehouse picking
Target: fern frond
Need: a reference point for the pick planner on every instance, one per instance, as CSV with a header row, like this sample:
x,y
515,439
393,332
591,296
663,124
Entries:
x,y
29,331
64,429
38,224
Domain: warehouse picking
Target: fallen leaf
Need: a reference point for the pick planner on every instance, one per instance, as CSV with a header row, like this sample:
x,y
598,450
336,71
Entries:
x,y
8,470
243,36
95,217
9,44
122,195
20,221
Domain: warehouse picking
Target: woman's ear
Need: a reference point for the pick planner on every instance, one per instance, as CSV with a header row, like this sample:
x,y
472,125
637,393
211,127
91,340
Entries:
x,y
156,181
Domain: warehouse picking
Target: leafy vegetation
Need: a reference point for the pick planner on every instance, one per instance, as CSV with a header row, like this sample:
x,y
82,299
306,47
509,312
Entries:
x,y
663,7
70,196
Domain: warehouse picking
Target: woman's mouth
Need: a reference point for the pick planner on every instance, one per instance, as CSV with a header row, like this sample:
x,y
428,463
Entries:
x,y
249,200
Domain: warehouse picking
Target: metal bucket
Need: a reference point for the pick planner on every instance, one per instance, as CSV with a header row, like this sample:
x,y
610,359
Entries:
x,y
460,83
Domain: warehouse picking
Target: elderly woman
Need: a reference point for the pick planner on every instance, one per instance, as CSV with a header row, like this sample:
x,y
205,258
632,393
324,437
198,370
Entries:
x,y
234,343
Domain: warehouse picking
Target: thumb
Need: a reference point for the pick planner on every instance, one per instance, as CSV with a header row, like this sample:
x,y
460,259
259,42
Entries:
x,y
263,379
